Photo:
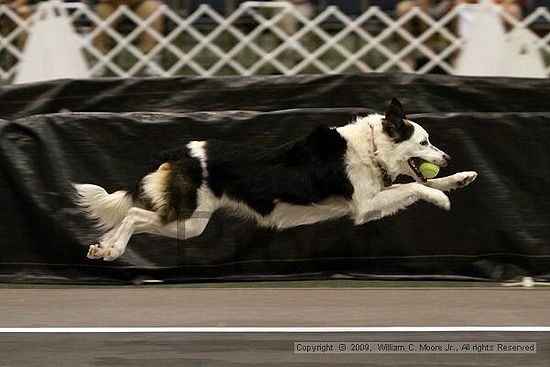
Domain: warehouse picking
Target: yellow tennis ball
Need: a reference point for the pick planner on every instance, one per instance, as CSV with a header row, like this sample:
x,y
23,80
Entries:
x,y
428,170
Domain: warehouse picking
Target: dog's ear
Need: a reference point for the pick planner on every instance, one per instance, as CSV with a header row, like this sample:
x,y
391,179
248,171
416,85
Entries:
x,y
395,113
394,125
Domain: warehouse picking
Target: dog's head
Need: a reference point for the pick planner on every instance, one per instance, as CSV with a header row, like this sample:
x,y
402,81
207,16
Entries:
x,y
404,145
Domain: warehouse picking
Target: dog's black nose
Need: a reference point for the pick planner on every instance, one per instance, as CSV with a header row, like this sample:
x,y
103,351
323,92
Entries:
x,y
447,159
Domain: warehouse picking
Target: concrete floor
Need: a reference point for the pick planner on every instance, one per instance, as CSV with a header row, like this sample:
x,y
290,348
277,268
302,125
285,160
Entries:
x,y
273,307
148,306
219,350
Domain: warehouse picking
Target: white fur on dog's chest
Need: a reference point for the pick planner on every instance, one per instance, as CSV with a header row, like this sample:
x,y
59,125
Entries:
x,y
361,168
365,182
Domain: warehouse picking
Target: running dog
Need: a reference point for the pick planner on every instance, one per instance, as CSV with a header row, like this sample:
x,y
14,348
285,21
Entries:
x,y
328,174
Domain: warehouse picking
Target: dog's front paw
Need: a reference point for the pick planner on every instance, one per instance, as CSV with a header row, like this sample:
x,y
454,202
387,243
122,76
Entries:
x,y
437,198
95,251
442,201
460,180
465,178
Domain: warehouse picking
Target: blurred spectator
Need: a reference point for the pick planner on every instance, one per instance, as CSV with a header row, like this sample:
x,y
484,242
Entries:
x,y
467,13
435,8
7,25
144,9
290,23
20,7
512,7
23,10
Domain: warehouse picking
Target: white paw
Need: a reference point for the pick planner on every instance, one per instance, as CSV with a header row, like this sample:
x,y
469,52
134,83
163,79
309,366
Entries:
x,y
95,251
463,179
438,198
113,253
443,202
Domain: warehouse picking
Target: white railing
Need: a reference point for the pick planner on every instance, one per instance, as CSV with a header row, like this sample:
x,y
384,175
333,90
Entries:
x,y
252,40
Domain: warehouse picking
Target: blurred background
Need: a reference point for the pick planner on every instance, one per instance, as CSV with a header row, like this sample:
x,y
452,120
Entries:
x,y
127,38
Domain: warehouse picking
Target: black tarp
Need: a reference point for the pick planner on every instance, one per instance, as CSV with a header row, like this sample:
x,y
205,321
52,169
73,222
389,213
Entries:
x,y
105,131
420,93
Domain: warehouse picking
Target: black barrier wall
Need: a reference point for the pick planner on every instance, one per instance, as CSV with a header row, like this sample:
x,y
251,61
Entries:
x,y
498,227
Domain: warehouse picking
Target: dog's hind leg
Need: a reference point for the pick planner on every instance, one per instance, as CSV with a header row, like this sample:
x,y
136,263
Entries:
x,y
188,228
181,204
112,244
399,197
136,221
144,221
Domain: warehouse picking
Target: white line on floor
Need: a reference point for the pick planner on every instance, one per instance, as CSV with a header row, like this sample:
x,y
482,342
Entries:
x,y
390,329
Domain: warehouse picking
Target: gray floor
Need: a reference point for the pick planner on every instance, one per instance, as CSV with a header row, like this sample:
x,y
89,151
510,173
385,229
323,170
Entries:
x,y
157,350
37,307
274,307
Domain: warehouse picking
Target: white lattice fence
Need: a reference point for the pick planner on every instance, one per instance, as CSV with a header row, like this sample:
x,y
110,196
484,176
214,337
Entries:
x,y
253,40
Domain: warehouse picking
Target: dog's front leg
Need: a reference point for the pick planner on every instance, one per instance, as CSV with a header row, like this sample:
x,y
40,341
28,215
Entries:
x,y
399,197
456,181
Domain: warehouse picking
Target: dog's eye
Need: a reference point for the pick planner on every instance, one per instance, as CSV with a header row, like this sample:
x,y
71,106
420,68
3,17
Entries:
x,y
424,142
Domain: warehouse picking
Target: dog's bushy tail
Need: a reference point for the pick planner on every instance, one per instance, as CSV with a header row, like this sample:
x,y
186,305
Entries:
x,y
107,209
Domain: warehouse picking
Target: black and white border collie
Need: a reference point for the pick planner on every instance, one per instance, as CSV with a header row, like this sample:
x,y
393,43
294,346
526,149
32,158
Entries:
x,y
330,173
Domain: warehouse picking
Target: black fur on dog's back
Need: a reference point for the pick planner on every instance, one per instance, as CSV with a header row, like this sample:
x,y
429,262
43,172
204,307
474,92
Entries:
x,y
302,172
305,171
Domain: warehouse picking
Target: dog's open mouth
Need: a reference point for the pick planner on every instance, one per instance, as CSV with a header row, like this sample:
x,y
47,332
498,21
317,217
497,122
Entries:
x,y
415,163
